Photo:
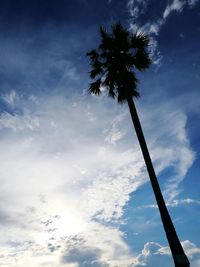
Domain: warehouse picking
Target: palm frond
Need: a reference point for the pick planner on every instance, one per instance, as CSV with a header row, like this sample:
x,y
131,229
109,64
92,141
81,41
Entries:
x,y
121,37
142,60
96,64
93,54
110,79
95,72
124,92
127,86
103,32
122,96
95,87
106,40
139,40
111,92
117,29
97,68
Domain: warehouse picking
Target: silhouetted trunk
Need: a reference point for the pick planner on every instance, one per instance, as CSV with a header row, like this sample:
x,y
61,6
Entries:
x,y
180,259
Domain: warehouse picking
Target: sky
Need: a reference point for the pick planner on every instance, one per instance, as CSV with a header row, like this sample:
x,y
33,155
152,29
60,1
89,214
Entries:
x,y
74,187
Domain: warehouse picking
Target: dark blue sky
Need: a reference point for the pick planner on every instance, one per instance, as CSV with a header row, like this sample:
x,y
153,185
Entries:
x,y
40,34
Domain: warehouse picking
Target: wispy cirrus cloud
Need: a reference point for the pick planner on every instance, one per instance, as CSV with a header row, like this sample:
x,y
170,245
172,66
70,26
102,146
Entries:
x,y
10,98
153,27
16,123
137,7
179,159
176,203
176,5
115,133
192,3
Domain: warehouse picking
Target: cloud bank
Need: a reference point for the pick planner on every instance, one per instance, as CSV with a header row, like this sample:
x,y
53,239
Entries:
x,y
68,166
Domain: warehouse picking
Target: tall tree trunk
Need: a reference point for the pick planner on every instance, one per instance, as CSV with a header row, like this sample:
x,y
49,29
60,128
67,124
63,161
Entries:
x,y
180,259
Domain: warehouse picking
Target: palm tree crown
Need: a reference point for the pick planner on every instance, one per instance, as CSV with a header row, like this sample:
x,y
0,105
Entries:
x,y
115,60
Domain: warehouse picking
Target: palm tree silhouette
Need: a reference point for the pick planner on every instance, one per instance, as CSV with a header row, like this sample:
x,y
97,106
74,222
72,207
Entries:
x,y
113,67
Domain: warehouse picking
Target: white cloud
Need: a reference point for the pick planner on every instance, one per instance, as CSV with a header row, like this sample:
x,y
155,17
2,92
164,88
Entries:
x,y
10,98
115,133
57,177
137,7
153,27
18,123
64,181
176,5
190,249
176,203
163,141
107,242
192,3
153,254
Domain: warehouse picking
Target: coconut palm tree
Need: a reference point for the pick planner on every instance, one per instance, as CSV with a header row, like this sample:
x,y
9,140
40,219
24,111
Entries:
x,y
113,64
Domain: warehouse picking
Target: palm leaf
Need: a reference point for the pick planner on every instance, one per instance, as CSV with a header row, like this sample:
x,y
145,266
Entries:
x,y
142,60
95,87
111,92
139,40
93,54
121,37
106,40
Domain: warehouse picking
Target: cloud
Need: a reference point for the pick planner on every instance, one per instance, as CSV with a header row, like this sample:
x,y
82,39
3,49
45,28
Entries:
x,y
18,123
104,248
84,257
162,148
177,202
10,98
153,254
69,164
176,5
66,176
57,176
115,133
138,7
192,3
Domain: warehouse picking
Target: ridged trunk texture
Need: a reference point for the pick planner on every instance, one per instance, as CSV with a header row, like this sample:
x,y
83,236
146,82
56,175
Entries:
x,y
180,259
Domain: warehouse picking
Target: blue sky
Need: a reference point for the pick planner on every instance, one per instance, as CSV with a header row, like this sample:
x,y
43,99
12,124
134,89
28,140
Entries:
x,y
74,188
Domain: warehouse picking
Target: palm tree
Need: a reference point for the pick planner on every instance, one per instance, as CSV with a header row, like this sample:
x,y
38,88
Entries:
x,y
113,67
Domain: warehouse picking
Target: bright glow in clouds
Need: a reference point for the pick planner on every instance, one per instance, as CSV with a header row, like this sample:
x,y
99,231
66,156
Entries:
x,y
68,166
